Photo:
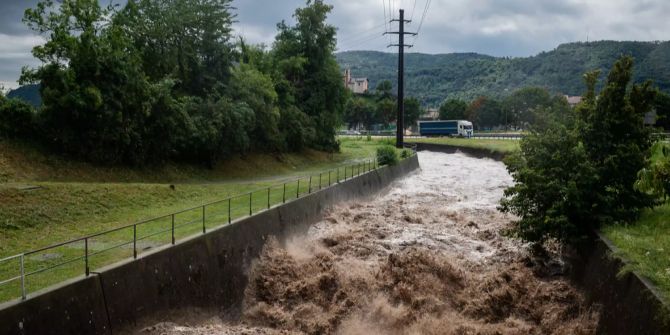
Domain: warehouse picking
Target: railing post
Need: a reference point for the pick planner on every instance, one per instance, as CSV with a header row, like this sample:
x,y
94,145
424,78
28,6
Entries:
x,y
283,197
329,172
251,194
309,189
204,225
268,197
320,173
86,257
135,241
230,219
23,277
173,229
297,191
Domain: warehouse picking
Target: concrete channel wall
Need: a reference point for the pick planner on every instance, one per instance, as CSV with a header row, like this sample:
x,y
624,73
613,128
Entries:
x,y
206,271
631,305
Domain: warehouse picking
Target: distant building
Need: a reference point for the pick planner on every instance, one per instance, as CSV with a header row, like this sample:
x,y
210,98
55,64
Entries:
x,y
573,101
356,85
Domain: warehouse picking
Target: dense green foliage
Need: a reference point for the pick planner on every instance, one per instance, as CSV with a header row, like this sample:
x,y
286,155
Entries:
x,y
577,172
379,110
436,78
16,118
453,109
387,155
655,179
520,110
160,80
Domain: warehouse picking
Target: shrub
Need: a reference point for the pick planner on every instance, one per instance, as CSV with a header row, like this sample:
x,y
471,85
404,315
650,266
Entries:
x,y
655,179
387,155
17,118
577,173
405,153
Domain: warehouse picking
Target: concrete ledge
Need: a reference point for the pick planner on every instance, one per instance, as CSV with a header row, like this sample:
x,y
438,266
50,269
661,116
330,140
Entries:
x,y
451,149
204,271
631,304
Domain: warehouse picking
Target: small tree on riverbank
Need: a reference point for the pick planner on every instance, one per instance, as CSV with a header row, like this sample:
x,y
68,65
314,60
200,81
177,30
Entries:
x,y
575,174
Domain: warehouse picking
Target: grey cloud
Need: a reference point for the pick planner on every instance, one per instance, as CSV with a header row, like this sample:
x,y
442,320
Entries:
x,y
494,27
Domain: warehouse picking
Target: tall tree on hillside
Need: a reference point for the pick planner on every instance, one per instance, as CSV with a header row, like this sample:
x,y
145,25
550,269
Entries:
x,y
188,40
93,88
453,109
305,52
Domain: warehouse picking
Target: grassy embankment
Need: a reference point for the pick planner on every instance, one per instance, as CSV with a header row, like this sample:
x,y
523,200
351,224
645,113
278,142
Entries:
x,y
493,145
645,246
46,199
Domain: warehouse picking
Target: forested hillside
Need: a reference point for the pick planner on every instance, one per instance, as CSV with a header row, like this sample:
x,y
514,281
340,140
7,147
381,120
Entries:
x,y
434,78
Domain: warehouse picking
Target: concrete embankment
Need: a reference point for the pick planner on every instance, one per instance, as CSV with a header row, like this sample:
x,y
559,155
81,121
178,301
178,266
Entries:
x,y
205,271
630,303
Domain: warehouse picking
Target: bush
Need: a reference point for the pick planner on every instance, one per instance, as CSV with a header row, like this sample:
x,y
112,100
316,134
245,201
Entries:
x,y
405,153
387,155
17,118
578,173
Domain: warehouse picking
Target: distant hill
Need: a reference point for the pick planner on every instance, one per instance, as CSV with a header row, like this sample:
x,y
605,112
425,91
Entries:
x,y
28,93
433,78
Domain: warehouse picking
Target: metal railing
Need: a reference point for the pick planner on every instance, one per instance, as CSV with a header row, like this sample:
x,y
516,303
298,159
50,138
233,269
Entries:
x,y
44,267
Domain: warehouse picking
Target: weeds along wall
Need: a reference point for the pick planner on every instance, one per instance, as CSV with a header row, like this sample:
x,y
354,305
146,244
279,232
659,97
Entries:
x,y
205,271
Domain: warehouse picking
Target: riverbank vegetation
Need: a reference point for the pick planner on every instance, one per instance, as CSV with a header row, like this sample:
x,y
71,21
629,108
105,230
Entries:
x,y
159,81
577,171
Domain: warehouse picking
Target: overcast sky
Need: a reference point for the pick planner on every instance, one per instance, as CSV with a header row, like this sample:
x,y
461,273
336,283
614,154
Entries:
x,y
493,27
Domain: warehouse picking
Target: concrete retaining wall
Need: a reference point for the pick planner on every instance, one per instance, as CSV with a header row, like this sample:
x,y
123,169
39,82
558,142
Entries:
x,y
630,303
206,271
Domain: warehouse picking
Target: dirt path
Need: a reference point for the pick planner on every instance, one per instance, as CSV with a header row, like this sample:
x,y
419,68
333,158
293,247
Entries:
x,y
427,257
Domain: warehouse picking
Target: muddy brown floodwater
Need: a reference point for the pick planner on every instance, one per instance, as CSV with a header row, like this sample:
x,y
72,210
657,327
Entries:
x,y
427,256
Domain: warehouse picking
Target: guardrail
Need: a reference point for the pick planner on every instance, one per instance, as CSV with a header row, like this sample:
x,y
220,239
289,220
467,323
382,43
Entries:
x,y
41,268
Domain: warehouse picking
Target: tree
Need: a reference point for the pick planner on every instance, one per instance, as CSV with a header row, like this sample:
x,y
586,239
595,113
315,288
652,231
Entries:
x,y
93,88
188,40
662,106
485,112
578,173
304,54
17,118
256,90
360,111
521,107
387,111
413,111
384,90
618,143
453,109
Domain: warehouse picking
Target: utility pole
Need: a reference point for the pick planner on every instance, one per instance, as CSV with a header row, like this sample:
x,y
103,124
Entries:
x,y
400,131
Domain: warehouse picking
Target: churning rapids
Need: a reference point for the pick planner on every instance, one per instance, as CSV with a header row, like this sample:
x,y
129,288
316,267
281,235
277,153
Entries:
x,y
427,256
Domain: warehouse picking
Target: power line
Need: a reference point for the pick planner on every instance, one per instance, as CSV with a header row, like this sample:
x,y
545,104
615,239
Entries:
x,y
358,35
423,17
413,11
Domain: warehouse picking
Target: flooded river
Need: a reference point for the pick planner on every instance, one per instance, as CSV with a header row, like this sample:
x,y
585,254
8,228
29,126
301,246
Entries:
x,y
427,256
